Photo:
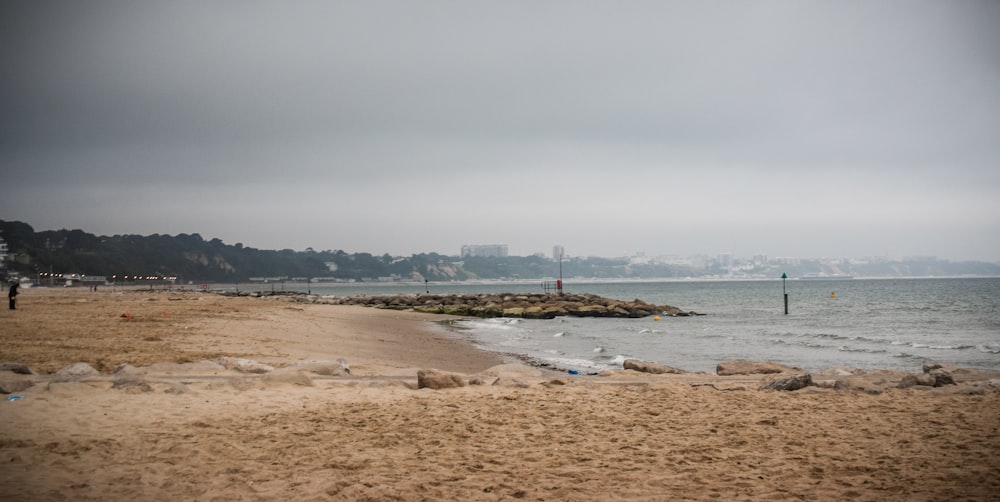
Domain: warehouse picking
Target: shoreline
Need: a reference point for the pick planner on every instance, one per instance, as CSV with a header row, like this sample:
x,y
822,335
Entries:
x,y
172,424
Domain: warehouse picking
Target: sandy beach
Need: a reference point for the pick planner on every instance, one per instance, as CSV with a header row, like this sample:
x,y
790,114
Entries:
x,y
163,419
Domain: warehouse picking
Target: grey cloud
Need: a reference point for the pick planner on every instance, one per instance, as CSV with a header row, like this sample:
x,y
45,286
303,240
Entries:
x,y
647,109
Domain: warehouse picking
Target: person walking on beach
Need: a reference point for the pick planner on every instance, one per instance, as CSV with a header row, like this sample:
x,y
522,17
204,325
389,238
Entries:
x,y
12,295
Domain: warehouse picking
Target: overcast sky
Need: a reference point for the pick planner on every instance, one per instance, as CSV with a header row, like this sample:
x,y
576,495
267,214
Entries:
x,y
809,129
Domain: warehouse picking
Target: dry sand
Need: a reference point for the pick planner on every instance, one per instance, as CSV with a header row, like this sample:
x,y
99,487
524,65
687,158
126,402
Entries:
x,y
169,431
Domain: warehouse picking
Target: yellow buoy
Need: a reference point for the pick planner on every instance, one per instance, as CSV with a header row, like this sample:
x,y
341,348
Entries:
x,y
656,318
833,294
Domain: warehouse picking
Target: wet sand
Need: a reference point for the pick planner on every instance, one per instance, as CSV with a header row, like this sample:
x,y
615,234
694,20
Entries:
x,y
170,426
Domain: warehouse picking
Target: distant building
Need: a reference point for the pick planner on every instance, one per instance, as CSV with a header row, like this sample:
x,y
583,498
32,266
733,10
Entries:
x,y
558,252
484,250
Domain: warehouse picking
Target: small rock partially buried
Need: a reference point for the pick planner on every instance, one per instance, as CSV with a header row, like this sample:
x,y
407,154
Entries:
x,y
744,367
244,365
434,379
325,367
15,367
12,386
637,365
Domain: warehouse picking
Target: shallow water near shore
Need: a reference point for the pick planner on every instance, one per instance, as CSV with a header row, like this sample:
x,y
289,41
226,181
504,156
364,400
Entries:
x,y
862,323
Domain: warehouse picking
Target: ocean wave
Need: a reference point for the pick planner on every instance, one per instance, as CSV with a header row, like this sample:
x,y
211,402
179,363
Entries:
x,y
844,348
941,347
815,345
799,343
856,338
830,336
989,349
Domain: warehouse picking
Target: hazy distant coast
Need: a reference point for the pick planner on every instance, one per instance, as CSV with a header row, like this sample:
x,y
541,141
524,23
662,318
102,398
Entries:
x,y
75,257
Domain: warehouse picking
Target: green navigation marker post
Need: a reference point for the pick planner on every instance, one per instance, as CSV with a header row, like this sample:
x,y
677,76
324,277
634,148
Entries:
x,y
783,291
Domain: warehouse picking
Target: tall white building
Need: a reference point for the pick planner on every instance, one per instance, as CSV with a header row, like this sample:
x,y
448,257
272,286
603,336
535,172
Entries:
x,y
558,252
484,250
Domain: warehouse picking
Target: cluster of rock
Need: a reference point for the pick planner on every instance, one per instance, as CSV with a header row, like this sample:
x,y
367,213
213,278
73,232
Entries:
x,y
16,377
523,305
787,378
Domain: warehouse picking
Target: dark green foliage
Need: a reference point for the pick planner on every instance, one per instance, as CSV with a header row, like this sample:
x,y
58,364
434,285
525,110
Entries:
x,y
189,257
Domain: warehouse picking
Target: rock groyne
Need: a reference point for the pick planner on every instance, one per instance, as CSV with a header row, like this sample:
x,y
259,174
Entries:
x,y
522,305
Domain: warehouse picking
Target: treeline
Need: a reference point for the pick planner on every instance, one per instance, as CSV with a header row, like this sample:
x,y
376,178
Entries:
x,y
189,257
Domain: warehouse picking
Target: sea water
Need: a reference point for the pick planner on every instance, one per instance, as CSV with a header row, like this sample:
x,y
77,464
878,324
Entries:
x,y
860,323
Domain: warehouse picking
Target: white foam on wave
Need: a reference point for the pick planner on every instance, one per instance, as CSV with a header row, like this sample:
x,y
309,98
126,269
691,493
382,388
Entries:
x,y
488,324
619,359
569,362
559,334
844,348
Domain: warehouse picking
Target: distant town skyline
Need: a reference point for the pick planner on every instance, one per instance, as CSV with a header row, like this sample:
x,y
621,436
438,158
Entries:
x,y
556,251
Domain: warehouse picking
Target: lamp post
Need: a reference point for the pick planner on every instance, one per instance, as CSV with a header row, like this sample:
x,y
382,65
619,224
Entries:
x,y
783,291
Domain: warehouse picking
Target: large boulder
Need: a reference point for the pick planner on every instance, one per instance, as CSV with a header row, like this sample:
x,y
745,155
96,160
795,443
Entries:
x,y
792,382
19,368
16,385
744,367
637,365
434,379
552,311
942,377
74,372
591,311
913,380
929,367
513,312
15,377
